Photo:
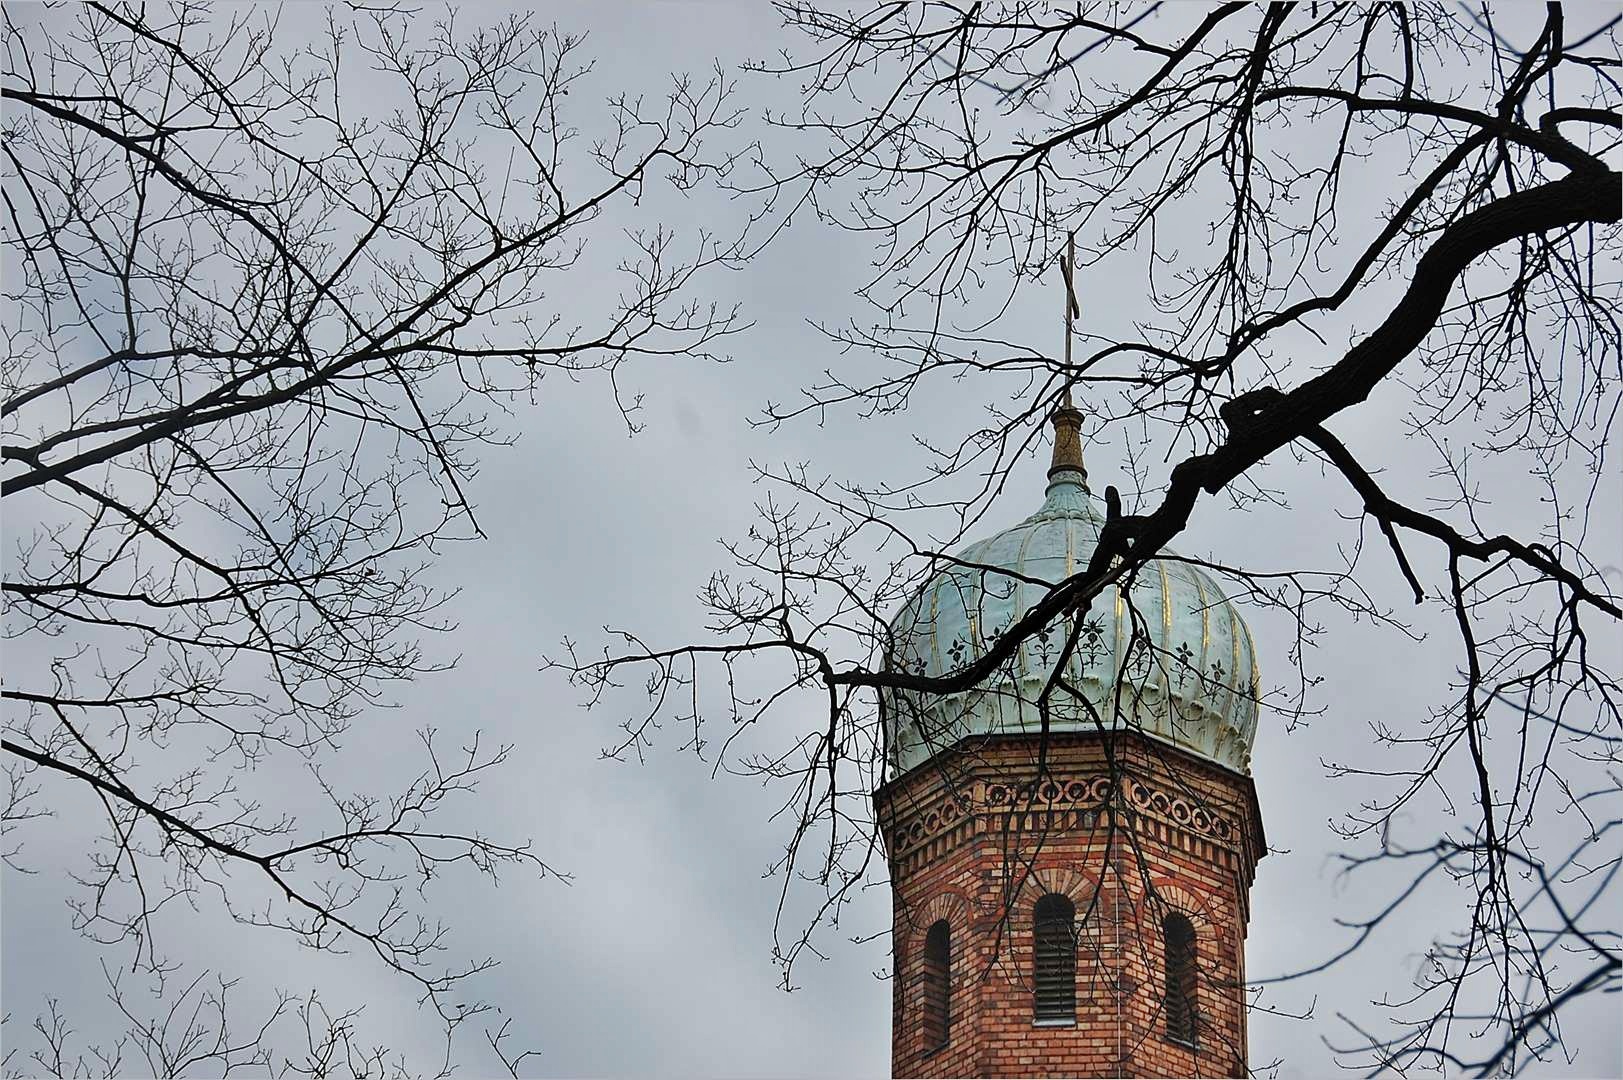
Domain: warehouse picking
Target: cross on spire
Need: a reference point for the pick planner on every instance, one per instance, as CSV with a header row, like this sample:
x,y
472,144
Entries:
x,y
1067,267
1067,420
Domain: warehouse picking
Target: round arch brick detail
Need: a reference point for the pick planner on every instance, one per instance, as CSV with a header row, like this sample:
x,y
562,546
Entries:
x,y
1076,885
950,905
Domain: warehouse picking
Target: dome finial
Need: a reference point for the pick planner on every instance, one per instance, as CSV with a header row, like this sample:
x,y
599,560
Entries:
x,y
1068,442
1067,420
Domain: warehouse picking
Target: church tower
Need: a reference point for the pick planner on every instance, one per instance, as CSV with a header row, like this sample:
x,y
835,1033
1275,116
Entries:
x,y
1072,841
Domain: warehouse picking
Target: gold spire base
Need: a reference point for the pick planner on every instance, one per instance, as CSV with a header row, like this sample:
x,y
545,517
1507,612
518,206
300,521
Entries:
x,y
1067,442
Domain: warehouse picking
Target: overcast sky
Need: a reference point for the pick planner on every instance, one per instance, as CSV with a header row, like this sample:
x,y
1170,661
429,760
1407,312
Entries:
x,y
658,956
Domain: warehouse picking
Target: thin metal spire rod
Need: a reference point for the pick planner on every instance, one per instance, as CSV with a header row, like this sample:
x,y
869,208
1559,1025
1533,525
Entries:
x,y
1067,265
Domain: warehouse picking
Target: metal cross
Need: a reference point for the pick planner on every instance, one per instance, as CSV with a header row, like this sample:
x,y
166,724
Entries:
x,y
1067,264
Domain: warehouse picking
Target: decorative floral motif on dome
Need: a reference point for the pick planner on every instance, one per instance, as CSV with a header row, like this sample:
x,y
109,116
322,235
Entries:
x,y
1091,642
1184,653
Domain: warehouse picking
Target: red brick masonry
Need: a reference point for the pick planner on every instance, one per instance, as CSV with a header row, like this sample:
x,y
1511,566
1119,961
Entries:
x,y
1131,830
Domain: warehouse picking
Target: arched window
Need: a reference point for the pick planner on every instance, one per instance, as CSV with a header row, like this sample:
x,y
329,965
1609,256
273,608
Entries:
x,y
1054,955
1178,938
937,986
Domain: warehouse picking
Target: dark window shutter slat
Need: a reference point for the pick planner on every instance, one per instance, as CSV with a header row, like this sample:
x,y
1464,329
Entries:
x,y
937,988
1054,959
1182,1014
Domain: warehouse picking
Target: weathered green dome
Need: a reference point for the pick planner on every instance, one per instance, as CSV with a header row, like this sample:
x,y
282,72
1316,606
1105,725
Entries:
x,y
1187,675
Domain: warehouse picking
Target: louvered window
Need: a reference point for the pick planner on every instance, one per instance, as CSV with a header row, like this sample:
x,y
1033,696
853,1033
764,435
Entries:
x,y
937,986
1054,954
1178,936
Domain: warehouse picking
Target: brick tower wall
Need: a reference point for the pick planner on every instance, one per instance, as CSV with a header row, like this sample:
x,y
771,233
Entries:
x,y
1130,830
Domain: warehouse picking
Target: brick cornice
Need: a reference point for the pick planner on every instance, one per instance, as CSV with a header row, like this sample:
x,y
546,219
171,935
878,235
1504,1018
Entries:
x,y
1137,784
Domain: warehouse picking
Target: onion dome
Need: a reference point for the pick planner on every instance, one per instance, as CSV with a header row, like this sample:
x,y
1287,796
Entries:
x,y
1168,657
